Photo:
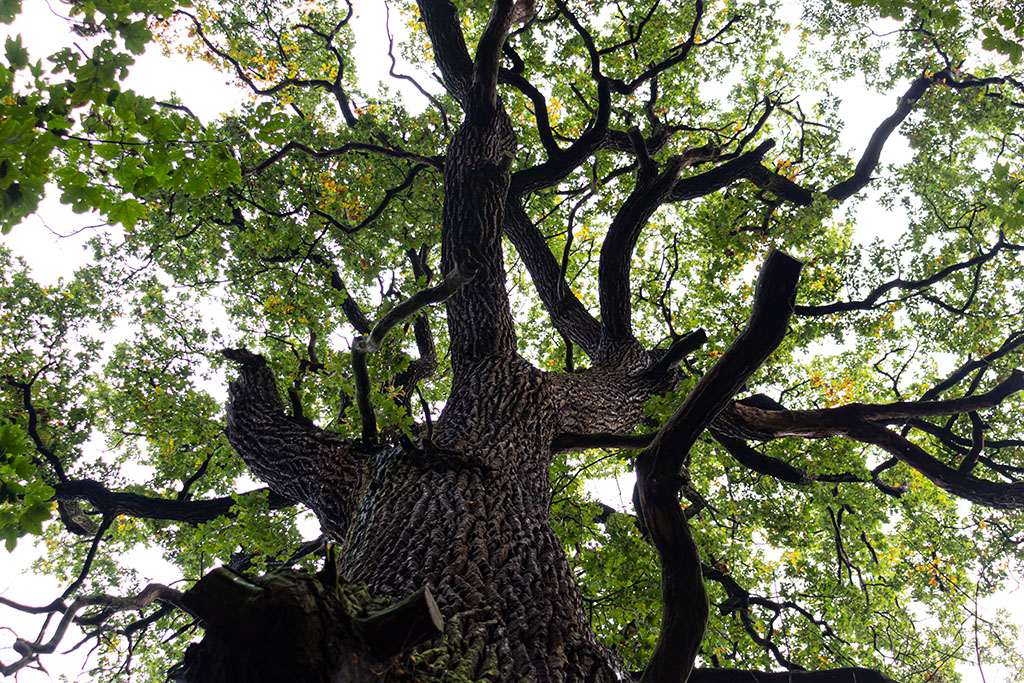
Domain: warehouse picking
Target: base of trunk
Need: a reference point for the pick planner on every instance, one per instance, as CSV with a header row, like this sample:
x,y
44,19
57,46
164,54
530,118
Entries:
x,y
294,626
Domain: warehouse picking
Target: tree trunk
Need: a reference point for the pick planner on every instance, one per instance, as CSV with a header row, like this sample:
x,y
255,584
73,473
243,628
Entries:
x,y
465,515
468,518
466,512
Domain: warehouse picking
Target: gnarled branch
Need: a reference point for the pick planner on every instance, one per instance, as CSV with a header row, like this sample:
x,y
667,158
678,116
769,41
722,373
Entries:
x,y
372,343
298,460
660,470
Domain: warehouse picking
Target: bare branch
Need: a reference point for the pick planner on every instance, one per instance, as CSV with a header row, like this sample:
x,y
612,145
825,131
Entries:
x,y
661,470
394,74
393,152
373,342
874,295
29,651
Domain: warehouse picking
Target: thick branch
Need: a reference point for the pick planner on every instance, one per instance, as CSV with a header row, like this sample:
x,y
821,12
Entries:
x,y
721,176
872,153
488,55
660,470
458,277
826,422
540,109
1007,496
476,184
113,503
558,167
617,252
679,350
865,423
761,463
779,185
568,314
769,317
297,460
451,55
569,441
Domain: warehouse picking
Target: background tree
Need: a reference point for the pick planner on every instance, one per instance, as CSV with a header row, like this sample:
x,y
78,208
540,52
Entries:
x,y
828,461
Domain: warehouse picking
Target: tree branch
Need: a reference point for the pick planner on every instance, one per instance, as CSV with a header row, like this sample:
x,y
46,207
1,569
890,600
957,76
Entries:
x,y
488,55
721,176
872,153
874,295
826,422
678,56
441,19
650,192
865,423
113,503
846,675
32,428
462,274
568,314
334,88
297,460
559,166
435,162
661,465
29,651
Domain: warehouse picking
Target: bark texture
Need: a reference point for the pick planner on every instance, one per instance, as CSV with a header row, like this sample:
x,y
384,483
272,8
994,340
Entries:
x,y
465,515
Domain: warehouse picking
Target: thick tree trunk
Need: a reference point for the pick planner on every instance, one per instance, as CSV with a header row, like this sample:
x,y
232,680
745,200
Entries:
x,y
469,519
465,515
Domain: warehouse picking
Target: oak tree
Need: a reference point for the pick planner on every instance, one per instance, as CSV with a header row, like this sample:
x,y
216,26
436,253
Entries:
x,y
583,242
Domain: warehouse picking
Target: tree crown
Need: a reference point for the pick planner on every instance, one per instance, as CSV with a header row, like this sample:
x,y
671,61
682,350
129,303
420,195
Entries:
x,y
656,155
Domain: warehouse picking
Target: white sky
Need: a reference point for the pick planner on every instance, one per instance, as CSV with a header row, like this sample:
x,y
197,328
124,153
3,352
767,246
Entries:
x,y
208,93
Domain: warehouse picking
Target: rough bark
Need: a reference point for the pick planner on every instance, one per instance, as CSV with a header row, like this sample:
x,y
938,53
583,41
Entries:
x,y
293,626
467,515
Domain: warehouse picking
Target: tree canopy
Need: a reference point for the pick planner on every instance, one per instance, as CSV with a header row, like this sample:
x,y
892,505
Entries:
x,y
814,337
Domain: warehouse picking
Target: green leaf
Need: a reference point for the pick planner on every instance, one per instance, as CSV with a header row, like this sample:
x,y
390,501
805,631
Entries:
x,y
17,55
136,35
9,9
